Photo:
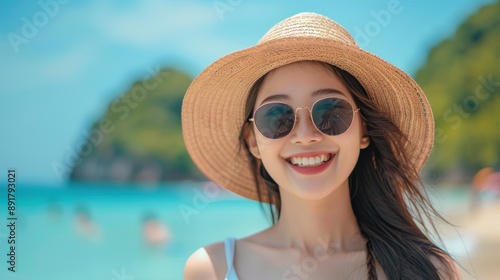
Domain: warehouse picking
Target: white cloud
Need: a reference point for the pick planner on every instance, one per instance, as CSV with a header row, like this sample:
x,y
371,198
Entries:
x,y
68,65
153,21
30,71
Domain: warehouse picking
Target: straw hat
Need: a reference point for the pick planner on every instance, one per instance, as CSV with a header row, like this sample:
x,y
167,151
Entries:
x,y
213,107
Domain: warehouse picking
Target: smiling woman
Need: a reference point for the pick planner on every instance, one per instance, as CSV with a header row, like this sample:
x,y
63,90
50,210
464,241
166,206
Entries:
x,y
332,138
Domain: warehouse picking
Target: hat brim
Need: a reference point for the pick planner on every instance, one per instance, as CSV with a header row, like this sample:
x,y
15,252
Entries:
x,y
213,107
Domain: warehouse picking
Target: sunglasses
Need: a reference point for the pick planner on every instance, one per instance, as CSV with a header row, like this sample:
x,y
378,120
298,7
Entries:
x,y
331,116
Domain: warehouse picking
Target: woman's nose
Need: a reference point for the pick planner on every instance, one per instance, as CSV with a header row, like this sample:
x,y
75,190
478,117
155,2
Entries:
x,y
304,131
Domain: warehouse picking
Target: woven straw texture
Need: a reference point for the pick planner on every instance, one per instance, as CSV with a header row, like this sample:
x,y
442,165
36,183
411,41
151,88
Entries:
x,y
213,107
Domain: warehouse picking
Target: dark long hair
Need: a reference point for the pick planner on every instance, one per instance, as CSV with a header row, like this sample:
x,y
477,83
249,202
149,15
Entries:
x,y
387,195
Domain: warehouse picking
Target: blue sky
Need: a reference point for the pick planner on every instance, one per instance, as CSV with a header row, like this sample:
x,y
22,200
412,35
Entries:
x,y
63,62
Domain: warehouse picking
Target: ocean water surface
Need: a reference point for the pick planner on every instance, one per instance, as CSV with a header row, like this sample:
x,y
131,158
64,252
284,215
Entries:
x,y
50,246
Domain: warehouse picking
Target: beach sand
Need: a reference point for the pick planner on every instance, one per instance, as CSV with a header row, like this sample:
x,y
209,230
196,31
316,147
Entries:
x,y
479,241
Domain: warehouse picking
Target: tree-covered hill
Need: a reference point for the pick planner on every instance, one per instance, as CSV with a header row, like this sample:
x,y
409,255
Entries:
x,y
139,138
462,80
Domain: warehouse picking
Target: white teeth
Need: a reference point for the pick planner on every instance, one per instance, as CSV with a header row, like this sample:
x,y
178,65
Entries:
x,y
310,161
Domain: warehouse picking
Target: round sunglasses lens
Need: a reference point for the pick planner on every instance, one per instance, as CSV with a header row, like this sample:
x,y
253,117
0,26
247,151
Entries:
x,y
274,120
332,116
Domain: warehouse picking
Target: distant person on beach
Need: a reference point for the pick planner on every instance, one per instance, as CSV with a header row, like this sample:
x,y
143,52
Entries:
x,y
332,139
85,226
479,185
155,233
54,210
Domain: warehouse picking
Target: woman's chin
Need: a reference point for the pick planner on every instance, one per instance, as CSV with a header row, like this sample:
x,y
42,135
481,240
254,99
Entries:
x,y
313,191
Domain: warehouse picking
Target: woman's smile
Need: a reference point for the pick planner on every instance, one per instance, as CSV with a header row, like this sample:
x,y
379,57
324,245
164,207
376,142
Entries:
x,y
309,160
311,165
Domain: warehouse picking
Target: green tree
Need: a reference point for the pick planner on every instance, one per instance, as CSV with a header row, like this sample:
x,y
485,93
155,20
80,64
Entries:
x,y
462,80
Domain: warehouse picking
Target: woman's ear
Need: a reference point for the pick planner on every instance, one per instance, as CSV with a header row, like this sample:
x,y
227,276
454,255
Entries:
x,y
365,142
365,139
252,142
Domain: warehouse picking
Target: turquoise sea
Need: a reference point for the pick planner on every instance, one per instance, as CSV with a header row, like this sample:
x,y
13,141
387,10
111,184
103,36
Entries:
x,y
49,246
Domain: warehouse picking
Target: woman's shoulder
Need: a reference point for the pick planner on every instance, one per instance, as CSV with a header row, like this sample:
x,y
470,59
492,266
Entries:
x,y
208,262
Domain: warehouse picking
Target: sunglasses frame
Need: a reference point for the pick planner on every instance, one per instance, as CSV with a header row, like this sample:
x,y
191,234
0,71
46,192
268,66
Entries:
x,y
252,119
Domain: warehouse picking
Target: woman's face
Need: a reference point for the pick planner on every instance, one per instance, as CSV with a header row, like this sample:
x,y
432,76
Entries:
x,y
296,83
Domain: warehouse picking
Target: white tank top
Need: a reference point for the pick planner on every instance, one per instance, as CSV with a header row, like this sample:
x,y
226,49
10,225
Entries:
x,y
229,246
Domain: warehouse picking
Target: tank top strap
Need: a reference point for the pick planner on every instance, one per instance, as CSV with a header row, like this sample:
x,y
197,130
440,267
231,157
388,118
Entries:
x,y
229,245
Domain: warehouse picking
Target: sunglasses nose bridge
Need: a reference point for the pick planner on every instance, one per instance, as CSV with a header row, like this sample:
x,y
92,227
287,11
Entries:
x,y
308,113
307,116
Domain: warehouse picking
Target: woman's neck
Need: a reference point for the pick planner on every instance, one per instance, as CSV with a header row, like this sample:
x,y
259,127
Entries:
x,y
311,224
